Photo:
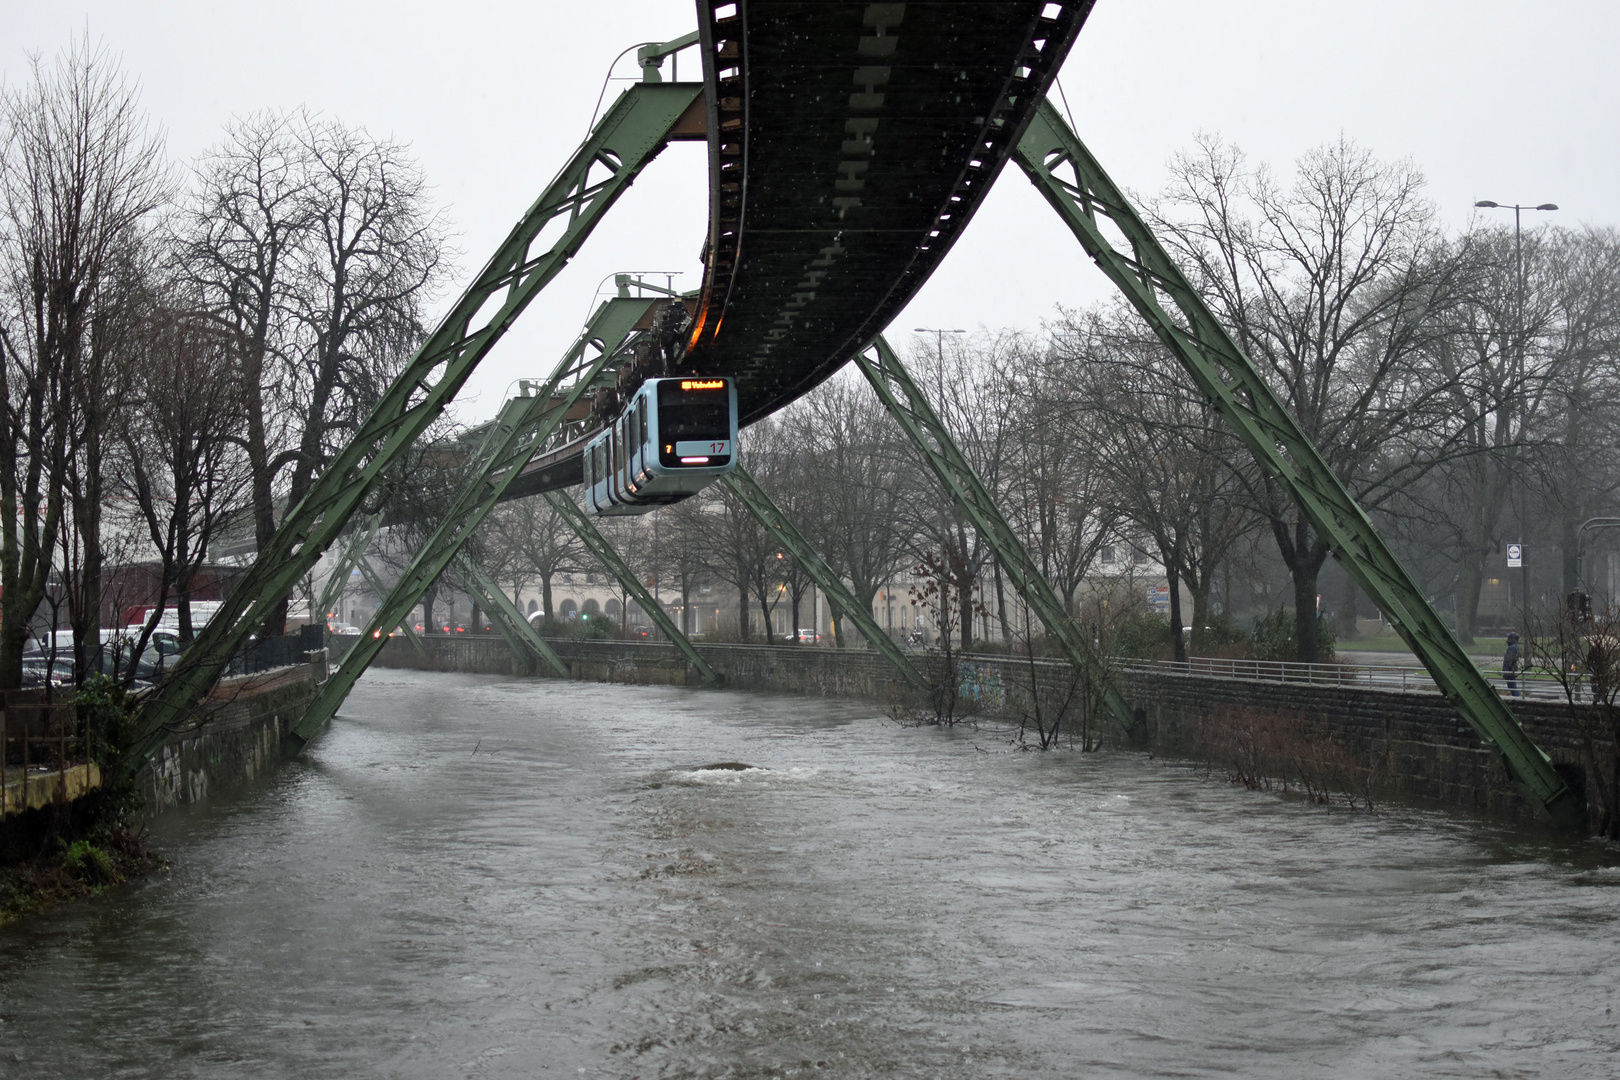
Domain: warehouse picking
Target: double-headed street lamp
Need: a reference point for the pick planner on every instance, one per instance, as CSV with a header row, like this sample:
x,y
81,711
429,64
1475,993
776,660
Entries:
x,y
1518,256
1518,351
939,338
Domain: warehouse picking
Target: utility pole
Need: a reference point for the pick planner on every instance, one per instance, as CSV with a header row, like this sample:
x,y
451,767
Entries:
x,y
1518,368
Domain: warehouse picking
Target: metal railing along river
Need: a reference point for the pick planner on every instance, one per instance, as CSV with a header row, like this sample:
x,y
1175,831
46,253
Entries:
x,y
1542,686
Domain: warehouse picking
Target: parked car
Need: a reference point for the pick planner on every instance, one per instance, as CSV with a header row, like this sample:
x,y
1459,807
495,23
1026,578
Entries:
x,y
39,667
808,636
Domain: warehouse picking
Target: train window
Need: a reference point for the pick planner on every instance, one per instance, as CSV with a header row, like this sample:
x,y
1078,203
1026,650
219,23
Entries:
x,y
693,415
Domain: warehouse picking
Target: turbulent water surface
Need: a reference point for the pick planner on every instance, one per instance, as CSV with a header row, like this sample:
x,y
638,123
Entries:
x,y
478,877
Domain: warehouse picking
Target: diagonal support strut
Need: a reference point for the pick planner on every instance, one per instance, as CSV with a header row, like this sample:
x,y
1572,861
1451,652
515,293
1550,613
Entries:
x,y
635,129
780,526
521,636
909,406
1162,295
593,539
523,427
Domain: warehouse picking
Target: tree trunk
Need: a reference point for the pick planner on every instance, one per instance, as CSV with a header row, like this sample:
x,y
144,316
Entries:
x,y
545,597
964,607
1349,602
429,595
1570,543
1470,579
765,616
1307,643
1200,591
742,614
1178,640
1001,607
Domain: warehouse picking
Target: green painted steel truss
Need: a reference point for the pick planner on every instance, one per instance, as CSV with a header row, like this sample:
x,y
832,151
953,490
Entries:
x,y
524,426
521,636
1065,172
598,544
640,123
780,526
909,406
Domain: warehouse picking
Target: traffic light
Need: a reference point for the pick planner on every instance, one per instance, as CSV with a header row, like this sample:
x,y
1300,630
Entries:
x,y
1579,606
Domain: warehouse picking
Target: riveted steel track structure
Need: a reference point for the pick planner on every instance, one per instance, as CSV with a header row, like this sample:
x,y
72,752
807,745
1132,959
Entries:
x,y
849,145
522,428
741,484
598,544
909,406
1065,172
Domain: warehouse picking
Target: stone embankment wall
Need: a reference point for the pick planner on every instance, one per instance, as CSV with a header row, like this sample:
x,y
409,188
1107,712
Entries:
x,y
238,735
1360,740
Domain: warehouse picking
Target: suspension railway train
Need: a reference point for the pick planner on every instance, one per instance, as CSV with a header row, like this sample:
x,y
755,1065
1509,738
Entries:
x,y
674,437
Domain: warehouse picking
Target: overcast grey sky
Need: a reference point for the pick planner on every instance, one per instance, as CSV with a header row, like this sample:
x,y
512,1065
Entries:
x,y
1491,99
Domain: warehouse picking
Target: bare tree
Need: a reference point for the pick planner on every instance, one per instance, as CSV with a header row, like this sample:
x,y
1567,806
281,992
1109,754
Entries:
x,y
1330,285
857,485
1057,491
1162,462
316,242
182,467
967,385
80,176
1578,451
528,541
238,237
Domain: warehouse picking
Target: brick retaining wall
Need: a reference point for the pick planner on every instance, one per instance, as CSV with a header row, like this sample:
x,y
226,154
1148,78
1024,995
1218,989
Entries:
x,y
237,738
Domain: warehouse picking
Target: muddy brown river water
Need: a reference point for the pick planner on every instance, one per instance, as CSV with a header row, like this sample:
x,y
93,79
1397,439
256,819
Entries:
x,y
477,877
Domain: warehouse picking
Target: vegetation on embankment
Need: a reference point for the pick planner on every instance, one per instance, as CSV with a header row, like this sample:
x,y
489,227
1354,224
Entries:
x,y
64,852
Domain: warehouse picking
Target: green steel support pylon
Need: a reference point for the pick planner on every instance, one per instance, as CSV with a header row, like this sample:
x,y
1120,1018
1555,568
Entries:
x,y
635,129
1150,280
347,562
746,488
378,589
523,427
909,406
599,546
521,636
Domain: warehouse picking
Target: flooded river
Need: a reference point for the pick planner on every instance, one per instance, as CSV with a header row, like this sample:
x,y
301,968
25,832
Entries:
x,y
475,877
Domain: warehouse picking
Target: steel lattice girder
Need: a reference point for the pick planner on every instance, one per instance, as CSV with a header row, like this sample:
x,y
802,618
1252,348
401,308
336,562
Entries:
x,y
523,427
521,636
909,406
348,561
1148,277
374,582
746,488
599,546
636,128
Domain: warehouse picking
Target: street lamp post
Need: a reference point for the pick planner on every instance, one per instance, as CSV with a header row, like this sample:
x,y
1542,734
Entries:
x,y
939,346
1518,363
1580,545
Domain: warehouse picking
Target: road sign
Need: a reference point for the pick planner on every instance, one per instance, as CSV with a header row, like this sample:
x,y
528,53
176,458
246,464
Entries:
x,y
1515,553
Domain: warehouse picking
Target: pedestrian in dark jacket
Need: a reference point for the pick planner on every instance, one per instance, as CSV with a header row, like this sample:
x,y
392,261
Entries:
x,y
1510,665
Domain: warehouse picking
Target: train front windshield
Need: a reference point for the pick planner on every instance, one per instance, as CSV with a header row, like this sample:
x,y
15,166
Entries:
x,y
694,422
